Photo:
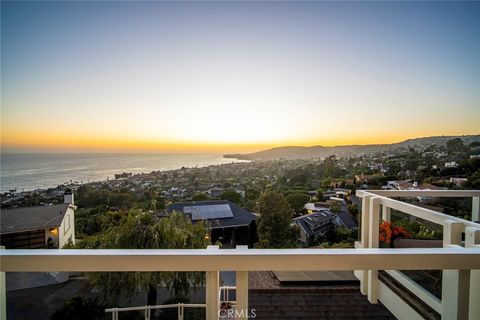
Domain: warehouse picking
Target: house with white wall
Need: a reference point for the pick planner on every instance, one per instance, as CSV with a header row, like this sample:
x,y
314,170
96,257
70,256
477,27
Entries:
x,y
47,226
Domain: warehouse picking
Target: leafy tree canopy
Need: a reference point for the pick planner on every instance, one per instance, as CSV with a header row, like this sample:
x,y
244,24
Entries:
x,y
336,206
474,181
200,197
456,145
297,201
232,196
274,224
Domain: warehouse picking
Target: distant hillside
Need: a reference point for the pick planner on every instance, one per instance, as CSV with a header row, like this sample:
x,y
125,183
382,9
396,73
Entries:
x,y
295,152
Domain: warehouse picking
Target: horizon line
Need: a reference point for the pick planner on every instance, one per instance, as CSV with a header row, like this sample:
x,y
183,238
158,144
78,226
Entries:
x,y
255,147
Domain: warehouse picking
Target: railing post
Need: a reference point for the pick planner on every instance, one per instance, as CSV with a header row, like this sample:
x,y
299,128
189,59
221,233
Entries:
x,y
146,314
374,223
242,294
212,290
472,240
475,208
3,294
452,233
386,212
455,283
364,240
212,282
180,311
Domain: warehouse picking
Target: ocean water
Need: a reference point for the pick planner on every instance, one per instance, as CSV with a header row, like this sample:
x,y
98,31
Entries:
x,y
29,171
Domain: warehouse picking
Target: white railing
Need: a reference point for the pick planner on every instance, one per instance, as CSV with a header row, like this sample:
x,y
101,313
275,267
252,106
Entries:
x,y
460,288
212,260
119,260
147,310
224,294
461,263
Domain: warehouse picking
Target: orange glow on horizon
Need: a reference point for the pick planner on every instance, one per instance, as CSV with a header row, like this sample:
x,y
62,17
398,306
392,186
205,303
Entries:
x,y
78,143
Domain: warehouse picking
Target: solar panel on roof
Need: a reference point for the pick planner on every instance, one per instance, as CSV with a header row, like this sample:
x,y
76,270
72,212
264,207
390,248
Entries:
x,y
208,212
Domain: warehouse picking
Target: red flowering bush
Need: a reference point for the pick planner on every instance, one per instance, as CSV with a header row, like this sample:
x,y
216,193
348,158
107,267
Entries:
x,y
389,232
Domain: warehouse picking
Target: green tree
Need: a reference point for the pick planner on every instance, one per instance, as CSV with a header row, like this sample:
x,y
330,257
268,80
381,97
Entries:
x,y
297,201
412,162
336,206
232,196
393,167
142,230
200,197
338,235
252,194
161,202
456,145
274,224
153,205
353,210
474,144
473,181
329,165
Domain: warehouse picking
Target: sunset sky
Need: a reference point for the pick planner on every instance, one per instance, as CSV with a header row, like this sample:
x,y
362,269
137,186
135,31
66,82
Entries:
x,y
235,77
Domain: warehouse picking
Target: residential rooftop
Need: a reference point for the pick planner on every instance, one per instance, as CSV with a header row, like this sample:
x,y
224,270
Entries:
x,y
219,213
32,218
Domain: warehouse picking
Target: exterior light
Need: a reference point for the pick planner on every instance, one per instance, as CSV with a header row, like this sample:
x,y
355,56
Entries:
x,y
54,231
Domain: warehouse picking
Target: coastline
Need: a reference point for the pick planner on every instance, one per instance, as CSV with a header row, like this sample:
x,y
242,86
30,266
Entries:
x,y
27,172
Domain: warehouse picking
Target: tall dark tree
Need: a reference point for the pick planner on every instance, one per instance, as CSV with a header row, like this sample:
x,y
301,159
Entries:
x,y
252,234
232,196
200,197
456,145
329,166
274,224
319,195
336,207
473,181
297,201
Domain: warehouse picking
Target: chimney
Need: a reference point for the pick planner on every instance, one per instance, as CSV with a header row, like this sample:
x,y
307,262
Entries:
x,y
68,196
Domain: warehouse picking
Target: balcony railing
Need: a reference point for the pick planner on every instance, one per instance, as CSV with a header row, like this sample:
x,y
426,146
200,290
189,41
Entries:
x,y
224,294
460,287
459,260
147,310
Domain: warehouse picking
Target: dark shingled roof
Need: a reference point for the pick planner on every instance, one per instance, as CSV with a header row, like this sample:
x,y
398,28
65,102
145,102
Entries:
x,y
31,218
241,216
329,302
305,227
310,221
274,301
317,217
346,220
